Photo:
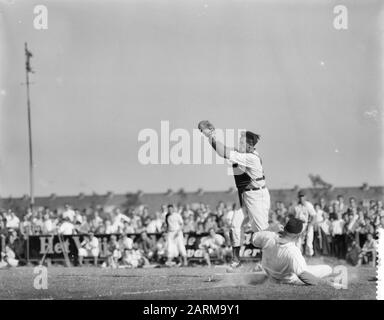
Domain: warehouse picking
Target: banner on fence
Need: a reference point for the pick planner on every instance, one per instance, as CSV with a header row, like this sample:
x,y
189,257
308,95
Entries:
x,y
50,246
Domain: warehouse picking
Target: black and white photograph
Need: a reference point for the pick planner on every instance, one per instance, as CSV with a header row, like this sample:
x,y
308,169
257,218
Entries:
x,y
210,150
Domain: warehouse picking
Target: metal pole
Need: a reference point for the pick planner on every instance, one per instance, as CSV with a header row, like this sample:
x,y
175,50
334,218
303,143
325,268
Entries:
x,y
31,182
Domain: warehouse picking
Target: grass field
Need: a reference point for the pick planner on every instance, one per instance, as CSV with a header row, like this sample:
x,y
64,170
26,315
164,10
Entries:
x,y
173,283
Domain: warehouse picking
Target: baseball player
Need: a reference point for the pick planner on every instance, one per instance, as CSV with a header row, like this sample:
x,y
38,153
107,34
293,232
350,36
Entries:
x,y
175,238
305,211
283,261
253,192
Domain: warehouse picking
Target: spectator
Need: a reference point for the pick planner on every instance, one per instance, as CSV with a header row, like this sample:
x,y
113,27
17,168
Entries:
x,y
338,244
113,252
13,222
96,221
155,225
368,253
125,242
212,246
353,253
67,227
147,245
48,226
89,248
68,213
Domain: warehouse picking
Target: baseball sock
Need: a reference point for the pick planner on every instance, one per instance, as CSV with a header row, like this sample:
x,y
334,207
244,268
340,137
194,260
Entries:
x,y
236,253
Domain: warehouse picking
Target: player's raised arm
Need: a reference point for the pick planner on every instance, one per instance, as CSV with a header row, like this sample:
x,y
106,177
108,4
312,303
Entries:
x,y
208,130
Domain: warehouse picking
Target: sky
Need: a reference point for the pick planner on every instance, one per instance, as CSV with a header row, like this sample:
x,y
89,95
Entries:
x,y
105,70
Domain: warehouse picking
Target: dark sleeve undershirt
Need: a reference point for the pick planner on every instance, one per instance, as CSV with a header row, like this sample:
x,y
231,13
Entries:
x,y
308,278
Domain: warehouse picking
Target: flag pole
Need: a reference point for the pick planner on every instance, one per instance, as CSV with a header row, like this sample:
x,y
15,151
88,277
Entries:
x,y
28,69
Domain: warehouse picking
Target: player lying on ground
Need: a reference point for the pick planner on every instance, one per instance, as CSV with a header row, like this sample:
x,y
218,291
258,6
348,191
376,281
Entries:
x,y
283,261
251,183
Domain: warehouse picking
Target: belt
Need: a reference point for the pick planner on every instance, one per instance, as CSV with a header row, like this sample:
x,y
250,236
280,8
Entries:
x,y
254,189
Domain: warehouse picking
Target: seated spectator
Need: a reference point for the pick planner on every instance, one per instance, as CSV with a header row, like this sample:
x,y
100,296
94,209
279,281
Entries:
x,y
368,252
200,228
113,253
8,258
189,225
353,253
210,223
212,246
147,245
133,258
160,250
89,248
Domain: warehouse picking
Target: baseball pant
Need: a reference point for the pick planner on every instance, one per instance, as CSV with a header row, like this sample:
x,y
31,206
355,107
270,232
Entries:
x,y
175,244
319,271
256,205
236,227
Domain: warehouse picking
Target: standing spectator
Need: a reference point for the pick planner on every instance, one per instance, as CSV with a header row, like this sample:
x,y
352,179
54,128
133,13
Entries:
x,y
67,227
109,227
128,227
338,237
341,207
13,222
324,228
96,222
47,227
323,205
155,225
25,226
68,213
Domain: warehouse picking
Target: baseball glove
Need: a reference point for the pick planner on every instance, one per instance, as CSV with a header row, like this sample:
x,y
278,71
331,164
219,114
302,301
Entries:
x,y
206,128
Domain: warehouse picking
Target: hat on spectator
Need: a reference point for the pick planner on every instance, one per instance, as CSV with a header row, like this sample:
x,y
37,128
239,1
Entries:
x,y
294,226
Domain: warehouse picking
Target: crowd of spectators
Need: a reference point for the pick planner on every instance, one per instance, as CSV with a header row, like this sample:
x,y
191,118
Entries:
x,y
345,229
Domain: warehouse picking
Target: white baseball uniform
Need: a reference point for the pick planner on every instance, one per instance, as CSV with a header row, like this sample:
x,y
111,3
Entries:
x,y
306,212
282,259
255,197
235,220
175,238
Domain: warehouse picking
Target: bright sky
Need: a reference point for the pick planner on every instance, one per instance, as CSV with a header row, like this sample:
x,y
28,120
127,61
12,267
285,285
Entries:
x,y
107,69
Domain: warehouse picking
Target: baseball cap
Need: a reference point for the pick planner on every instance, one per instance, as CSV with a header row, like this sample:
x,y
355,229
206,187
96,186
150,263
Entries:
x,y
253,138
294,226
301,193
